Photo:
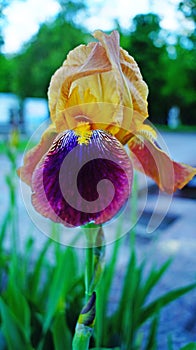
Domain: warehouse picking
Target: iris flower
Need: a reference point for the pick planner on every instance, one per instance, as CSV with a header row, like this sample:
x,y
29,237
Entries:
x,y
98,104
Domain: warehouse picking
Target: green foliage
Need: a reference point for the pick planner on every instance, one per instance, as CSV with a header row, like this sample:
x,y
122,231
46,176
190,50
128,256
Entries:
x,y
183,94
133,310
6,73
70,9
43,293
168,69
148,49
15,319
43,55
191,346
188,8
35,301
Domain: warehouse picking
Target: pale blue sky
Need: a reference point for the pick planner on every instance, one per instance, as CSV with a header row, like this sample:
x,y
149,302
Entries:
x,y
23,18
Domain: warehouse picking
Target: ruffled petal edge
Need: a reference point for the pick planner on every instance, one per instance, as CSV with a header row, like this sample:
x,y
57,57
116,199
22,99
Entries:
x,y
155,163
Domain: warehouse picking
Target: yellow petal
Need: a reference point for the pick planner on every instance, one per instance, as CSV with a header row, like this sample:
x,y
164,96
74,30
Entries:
x,y
101,94
105,76
136,84
78,107
112,48
131,85
83,61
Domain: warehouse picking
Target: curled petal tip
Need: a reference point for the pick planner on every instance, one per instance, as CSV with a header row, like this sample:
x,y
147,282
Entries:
x,y
155,163
100,72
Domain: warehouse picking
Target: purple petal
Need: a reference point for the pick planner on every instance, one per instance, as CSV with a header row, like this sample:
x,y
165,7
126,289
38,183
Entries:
x,y
80,183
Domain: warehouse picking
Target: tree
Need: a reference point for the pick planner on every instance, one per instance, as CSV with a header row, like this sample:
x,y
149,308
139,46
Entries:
x,y
70,9
170,77
6,75
148,48
188,8
43,55
187,52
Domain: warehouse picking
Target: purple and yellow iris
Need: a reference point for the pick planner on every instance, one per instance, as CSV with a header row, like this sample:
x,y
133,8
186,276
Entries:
x,y
76,183
80,171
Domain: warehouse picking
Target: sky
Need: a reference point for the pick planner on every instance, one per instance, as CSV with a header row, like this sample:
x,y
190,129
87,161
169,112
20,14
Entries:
x,y
23,17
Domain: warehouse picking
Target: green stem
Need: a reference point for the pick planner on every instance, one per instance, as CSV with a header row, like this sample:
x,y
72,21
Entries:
x,y
81,338
88,271
85,324
90,231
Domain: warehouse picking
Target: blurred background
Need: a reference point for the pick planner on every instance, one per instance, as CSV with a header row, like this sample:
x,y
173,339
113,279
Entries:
x,y
35,38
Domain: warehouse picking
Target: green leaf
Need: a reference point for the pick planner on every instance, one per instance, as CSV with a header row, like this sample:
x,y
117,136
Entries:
x,y
19,306
153,278
12,329
152,339
105,349
4,226
129,304
64,276
110,270
61,334
105,287
37,271
162,301
191,346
